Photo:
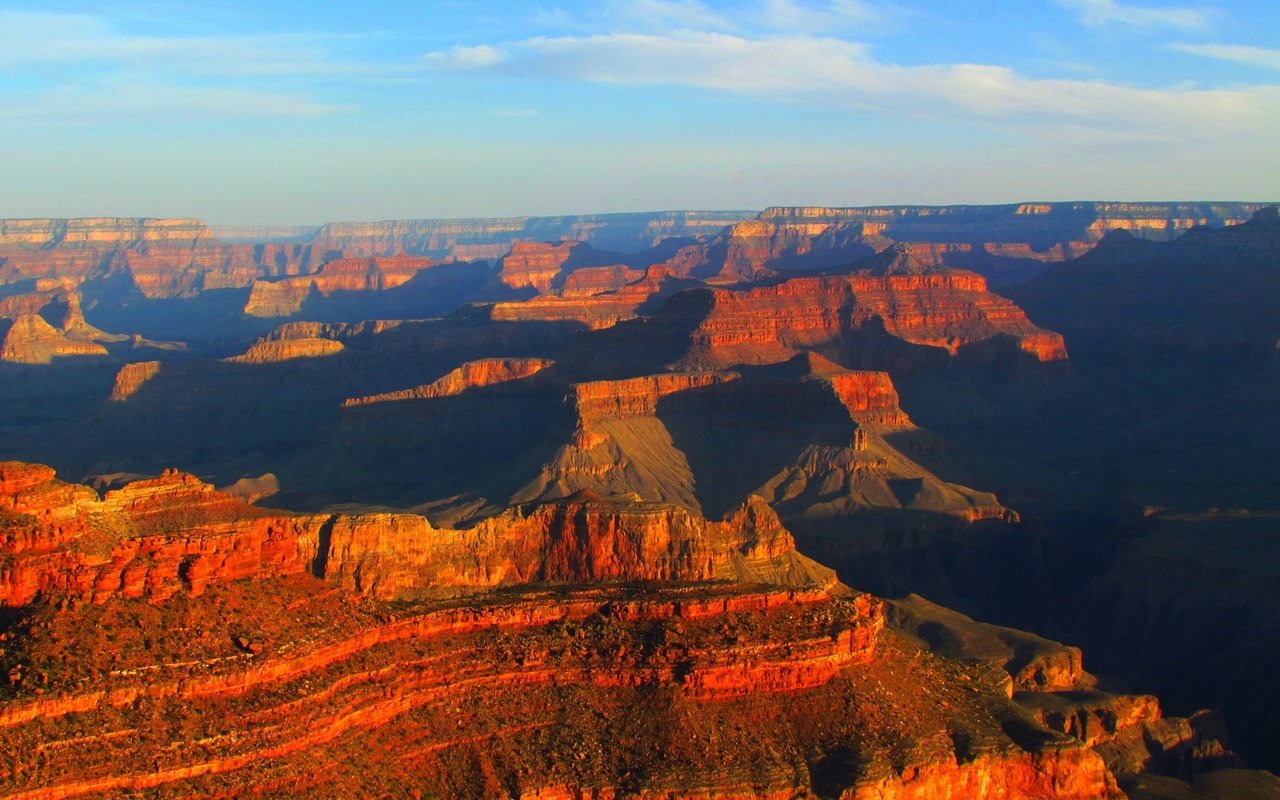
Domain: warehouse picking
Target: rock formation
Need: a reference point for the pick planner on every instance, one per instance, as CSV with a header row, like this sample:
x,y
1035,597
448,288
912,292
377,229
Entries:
x,y
156,537
220,645
270,351
131,378
951,310
563,546
285,297
29,339
1011,241
37,327
471,375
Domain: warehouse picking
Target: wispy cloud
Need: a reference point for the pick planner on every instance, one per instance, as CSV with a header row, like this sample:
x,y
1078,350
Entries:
x,y
1108,12
83,67
789,15
156,103
1239,53
775,16
837,72
467,58
30,39
666,14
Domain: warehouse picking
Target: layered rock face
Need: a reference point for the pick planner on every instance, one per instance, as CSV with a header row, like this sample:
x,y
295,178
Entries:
x,y
284,298
543,265
952,311
245,670
154,538
243,678
490,238
592,281
29,339
471,375
271,351
1011,241
578,302
100,232
38,327
813,432
1131,733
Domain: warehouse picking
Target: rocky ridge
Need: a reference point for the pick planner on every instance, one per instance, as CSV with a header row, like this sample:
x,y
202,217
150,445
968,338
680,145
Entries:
x,y
950,311
154,538
247,667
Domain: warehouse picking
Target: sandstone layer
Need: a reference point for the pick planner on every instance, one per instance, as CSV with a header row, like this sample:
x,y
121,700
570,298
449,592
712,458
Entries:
x,y
157,537
471,375
951,311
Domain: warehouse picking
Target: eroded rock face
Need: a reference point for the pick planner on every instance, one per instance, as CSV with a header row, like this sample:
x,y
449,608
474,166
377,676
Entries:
x,y
131,378
491,238
577,302
536,265
766,324
471,375
270,351
1129,731
1017,238
157,537
95,232
285,297
269,616
29,339
590,692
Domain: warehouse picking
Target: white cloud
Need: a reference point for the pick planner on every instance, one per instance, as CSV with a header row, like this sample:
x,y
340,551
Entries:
x,y
1106,12
837,72
1240,53
790,15
664,14
466,58
82,68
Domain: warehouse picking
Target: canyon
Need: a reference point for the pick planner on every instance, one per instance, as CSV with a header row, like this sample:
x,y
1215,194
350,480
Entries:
x,y
261,640
814,502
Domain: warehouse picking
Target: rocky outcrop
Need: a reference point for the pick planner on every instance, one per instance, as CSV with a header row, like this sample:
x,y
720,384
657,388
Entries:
x,y
100,232
592,309
1129,731
814,433
490,238
275,350
538,265
29,339
574,540
285,297
131,378
1012,241
471,375
262,647
282,298
349,333
592,281
951,311
157,537
1033,663
645,687
37,327
635,397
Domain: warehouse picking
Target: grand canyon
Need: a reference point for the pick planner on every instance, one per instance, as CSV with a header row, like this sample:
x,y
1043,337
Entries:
x,y
968,501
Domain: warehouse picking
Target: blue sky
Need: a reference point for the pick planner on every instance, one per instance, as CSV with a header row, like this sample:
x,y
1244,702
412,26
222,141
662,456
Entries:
x,y
287,112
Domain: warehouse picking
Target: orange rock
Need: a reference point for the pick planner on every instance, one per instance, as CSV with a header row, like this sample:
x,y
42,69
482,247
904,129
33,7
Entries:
x,y
471,375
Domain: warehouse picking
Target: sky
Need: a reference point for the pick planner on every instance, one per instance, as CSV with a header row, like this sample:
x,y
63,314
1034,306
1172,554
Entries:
x,y
287,112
